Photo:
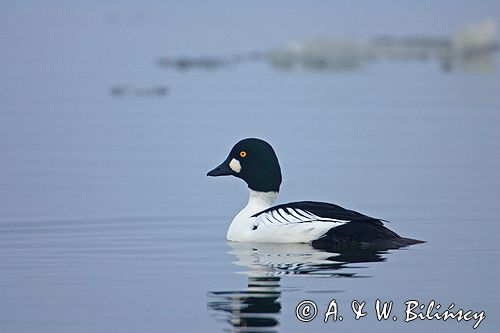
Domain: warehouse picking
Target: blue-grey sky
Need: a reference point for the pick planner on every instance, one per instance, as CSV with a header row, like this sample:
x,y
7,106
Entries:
x,y
229,26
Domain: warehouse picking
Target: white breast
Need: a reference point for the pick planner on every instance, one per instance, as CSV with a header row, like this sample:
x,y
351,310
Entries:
x,y
284,225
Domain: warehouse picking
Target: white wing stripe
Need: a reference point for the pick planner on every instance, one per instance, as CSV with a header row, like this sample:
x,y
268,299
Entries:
x,y
333,220
278,216
288,218
300,217
270,217
294,213
307,214
289,215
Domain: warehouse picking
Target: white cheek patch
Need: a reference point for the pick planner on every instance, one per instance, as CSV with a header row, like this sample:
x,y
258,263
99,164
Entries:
x,y
235,165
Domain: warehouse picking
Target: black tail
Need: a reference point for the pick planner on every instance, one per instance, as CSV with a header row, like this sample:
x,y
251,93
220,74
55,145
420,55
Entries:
x,y
394,243
363,235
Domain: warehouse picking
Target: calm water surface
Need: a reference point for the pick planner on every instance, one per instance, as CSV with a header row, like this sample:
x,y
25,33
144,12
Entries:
x,y
109,224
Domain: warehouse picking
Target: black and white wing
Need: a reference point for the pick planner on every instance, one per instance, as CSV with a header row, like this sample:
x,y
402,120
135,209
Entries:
x,y
327,225
312,211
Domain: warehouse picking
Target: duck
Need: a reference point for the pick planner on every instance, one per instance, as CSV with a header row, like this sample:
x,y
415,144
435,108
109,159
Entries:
x,y
320,224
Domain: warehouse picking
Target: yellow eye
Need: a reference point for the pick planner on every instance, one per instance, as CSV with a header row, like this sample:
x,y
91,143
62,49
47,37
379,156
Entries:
x,y
243,153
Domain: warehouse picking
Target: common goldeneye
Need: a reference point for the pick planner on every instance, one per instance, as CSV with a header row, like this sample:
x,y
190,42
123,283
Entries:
x,y
318,223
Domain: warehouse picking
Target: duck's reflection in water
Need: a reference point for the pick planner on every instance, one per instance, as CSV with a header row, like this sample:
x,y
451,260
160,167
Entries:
x,y
257,307
254,309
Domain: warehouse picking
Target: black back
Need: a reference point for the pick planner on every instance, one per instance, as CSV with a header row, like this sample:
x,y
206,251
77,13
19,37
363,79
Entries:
x,y
360,231
326,210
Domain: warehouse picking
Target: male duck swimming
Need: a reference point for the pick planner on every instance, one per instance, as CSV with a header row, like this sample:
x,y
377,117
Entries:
x,y
318,223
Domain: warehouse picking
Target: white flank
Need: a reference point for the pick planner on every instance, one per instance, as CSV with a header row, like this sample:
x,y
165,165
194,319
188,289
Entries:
x,y
279,226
